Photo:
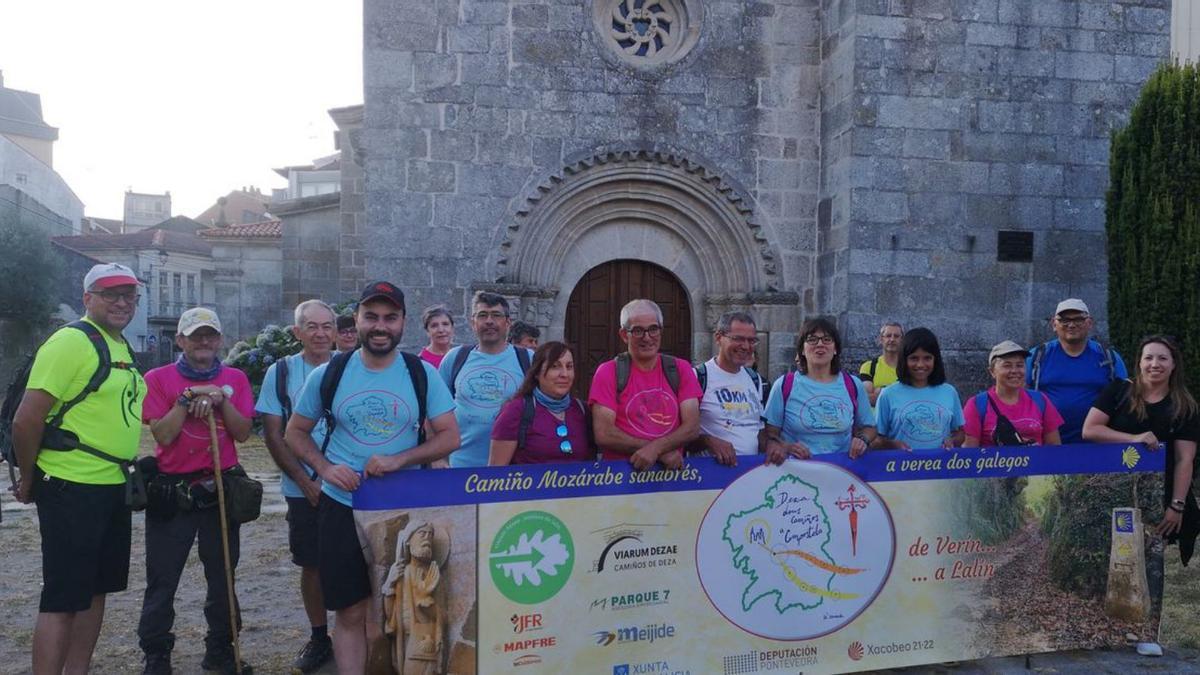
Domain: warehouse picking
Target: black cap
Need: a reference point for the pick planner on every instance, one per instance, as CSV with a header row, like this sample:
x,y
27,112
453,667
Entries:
x,y
345,321
383,289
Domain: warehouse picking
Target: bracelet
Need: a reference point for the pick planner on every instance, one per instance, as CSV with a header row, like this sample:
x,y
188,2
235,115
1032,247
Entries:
x,y
1176,509
1179,502
185,399
862,437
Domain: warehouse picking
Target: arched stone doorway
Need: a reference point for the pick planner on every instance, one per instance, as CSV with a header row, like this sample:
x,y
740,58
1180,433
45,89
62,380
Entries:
x,y
593,310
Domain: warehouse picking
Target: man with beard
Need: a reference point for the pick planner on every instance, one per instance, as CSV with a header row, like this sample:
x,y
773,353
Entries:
x,y
382,438
314,327
731,408
482,377
1073,369
80,496
179,399
645,405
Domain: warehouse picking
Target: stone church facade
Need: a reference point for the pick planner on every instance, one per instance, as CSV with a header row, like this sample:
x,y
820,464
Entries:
x,y
937,162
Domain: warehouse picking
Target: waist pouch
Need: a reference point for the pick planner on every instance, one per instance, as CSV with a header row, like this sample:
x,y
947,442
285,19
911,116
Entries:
x,y
57,438
172,494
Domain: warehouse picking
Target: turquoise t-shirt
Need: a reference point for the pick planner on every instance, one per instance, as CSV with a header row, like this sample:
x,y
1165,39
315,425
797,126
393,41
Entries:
x,y
485,382
819,414
376,413
922,417
269,404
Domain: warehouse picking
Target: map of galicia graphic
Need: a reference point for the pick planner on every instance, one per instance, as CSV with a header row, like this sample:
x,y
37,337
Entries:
x,y
795,552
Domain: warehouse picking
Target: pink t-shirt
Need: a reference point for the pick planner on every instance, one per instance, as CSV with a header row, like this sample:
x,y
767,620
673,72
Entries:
x,y
190,452
648,407
432,359
541,439
1030,422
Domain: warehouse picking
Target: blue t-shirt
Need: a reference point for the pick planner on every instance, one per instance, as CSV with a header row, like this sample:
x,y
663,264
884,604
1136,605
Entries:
x,y
269,404
922,417
376,413
819,414
485,382
1072,383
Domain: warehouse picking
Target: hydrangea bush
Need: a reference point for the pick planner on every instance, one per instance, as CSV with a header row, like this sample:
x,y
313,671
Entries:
x,y
254,355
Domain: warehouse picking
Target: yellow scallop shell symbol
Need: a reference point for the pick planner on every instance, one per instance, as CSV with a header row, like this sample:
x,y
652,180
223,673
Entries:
x,y
1130,457
1124,521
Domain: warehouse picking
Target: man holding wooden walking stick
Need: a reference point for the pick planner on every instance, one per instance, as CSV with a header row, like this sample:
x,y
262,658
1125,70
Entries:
x,y
183,507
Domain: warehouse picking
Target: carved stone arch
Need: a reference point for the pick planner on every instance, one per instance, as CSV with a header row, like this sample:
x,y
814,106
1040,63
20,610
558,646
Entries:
x,y
623,189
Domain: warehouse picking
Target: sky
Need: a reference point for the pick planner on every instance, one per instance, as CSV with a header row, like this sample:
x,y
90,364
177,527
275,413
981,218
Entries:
x,y
198,98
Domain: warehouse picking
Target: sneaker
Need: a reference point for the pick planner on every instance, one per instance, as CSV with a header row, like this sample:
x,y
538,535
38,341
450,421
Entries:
x,y
157,664
222,662
315,654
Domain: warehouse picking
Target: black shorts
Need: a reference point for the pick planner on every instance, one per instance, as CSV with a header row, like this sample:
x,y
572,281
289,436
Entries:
x,y
85,542
342,568
302,532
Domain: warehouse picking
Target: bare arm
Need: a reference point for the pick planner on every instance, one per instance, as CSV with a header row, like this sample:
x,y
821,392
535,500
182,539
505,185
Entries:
x,y
1185,458
285,459
970,441
29,423
166,428
444,441
1051,438
778,449
608,436
1096,430
298,437
500,453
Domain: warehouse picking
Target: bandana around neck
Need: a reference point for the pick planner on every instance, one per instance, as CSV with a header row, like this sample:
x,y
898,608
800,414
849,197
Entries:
x,y
187,371
554,405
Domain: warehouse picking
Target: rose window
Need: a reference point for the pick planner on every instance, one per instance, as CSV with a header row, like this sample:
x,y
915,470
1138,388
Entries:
x,y
647,32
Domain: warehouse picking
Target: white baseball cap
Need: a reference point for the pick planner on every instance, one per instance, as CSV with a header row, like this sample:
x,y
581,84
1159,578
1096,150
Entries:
x,y
107,275
1071,305
198,317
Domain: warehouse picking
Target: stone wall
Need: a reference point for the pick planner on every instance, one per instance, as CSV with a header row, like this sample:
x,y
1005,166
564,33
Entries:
x,y
247,279
475,111
312,228
968,118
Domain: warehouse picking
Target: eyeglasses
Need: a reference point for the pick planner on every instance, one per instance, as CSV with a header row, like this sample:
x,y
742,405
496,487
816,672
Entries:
x,y
564,446
203,337
818,340
640,331
741,339
348,331
1074,321
494,316
111,297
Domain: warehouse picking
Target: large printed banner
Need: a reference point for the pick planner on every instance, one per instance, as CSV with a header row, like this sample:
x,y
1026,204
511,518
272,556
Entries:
x,y
835,565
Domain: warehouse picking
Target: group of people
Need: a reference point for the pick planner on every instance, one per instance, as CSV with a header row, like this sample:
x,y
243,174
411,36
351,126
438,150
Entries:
x,y
351,405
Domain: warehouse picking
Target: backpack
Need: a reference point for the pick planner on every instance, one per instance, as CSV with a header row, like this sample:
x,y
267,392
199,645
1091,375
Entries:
x,y
670,371
460,359
1005,433
789,381
702,377
333,375
1039,353
281,392
527,419
874,363
54,437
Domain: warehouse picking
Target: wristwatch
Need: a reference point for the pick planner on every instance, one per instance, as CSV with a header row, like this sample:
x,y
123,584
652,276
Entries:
x,y
185,399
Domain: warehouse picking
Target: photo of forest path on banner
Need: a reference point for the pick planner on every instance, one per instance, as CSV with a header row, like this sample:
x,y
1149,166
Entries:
x,y
837,565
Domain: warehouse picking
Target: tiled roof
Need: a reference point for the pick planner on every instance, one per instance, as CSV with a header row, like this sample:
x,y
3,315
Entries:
x,y
268,229
176,242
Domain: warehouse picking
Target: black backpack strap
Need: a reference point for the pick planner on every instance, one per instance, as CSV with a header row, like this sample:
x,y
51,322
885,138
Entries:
x,y
281,391
329,384
1039,353
622,366
420,383
460,359
758,383
872,367
522,358
526,420
102,370
671,371
702,376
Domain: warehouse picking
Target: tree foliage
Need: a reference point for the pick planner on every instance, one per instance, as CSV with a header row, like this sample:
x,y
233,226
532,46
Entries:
x,y
1153,218
30,272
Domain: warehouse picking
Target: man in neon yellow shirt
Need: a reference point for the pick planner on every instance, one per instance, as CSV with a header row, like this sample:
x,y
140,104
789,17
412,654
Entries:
x,y
80,497
880,371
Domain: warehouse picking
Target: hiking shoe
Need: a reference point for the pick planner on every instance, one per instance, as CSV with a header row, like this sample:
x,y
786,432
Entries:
x,y
222,662
314,655
157,664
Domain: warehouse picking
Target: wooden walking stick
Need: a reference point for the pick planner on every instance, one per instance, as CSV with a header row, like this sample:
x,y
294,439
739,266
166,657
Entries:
x,y
233,622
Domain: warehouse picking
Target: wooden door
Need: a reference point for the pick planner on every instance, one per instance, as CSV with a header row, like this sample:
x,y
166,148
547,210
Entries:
x,y
593,313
